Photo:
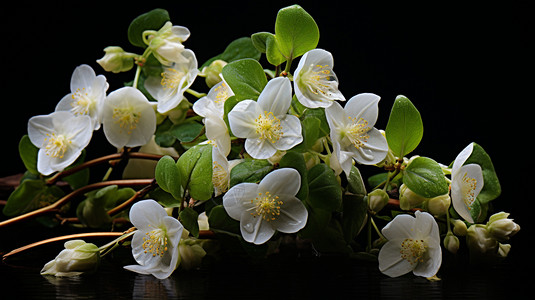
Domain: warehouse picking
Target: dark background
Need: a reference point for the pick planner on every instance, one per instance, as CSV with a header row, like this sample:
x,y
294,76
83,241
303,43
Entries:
x,y
467,66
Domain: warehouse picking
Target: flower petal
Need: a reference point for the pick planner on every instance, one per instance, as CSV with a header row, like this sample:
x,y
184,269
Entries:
x,y
373,150
365,106
402,226
82,77
390,261
238,199
461,158
292,134
293,215
429,267
276,96
254,229
242,118
285,181
462,196
260,148
146,214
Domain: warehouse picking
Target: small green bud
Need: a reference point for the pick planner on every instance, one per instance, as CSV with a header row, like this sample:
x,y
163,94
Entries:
x,y
459,227
451,243
213,72
116,60
377,199
77,258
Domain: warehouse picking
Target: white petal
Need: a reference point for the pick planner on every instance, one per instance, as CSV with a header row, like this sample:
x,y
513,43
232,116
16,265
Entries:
x,y
365,106
293,215
276,96
260,148
146,214
38,128
205,106
461,158
390,261
458,196
292,134
254,229
336,117
181,32
82,77
238,199
242,118
402,226
373,150
285,181
429,267
216,130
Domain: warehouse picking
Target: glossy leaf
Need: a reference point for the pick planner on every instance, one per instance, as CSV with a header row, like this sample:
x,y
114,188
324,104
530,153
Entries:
x,y
251,170
491,187
324,190
168,176
245,77
188,217
28,153
424,176
405,129
195,167
296,32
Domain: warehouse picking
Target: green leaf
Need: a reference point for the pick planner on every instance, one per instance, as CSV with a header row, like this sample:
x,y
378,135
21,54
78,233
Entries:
x,y
28,153
188,218
491,187
356,183
168,176
259,40
80,178
164,198
405,129
195,166
296,32
152,20
245,77
238,49
31,194
186,132
220,220
324,190
250,170
93,211
354,214
296,161
318,113
163,136
424,176
273,53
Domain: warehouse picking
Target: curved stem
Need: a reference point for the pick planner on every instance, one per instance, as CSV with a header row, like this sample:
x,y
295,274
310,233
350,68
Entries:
x,y
54,207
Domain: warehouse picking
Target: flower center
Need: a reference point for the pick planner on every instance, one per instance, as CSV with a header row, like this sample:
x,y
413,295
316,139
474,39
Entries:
x,y
319,80
171,78
56,145
219,177
155,242
82,103
356,132
268,127
126,117
267,206
222,94
413,250
468,190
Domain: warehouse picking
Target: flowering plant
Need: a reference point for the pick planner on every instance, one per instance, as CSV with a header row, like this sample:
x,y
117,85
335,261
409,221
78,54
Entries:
x,y
267,154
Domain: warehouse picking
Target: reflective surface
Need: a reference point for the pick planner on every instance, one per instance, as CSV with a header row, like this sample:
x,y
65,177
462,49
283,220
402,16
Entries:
x,y
277,277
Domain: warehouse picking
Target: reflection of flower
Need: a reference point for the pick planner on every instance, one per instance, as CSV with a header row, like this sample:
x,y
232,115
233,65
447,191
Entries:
x,y
88,92
60,136
315,83
77,258
352,131
176,78
268,206
413,245
265,123
466,183
128,118
155,243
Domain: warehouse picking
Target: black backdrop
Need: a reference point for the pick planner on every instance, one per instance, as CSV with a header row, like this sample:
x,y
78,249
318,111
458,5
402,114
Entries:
x,y
466,67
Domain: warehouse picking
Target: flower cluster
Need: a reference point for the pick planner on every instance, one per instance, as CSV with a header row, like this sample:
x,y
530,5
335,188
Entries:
x,y
266,152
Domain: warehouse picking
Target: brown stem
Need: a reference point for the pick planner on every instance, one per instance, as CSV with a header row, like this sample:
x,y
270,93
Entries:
x,y
54,207
100,160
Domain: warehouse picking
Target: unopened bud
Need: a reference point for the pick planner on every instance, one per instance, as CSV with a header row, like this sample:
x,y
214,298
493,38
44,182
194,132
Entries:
x,y
377,199
409,199
479,240
451,242
116,60
439,205
77,258
502,228
503,250
213,72
459,227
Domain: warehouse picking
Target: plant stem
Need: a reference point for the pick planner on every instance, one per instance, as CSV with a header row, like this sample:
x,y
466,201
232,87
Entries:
x,y
136,77
54,207
195,93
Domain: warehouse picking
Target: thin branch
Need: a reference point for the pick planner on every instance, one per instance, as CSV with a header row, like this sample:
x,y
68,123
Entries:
x,y
54,207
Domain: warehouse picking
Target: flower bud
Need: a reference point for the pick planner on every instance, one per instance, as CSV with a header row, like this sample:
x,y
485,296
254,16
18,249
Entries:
x,y
190,251
213,72
451,242
439,205
503,250
377,199
116,60
77,258
166,43
409,199
459,227
502,228
479,239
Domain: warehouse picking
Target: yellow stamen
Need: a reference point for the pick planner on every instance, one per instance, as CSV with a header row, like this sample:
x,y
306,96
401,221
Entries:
x,y
267,206
155,242
56,145
268,127
413,250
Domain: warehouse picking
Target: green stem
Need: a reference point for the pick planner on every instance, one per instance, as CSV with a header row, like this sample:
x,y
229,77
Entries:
x,y
115,243
195,93
136,77
288,66
377,229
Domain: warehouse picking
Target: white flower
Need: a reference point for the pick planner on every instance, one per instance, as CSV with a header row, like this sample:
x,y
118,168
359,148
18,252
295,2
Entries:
x,y
88,92
265,123
169,87
155,243
60,136
466,183
128,118
502,228
413,245
315,83
352,132
219,137
214,102
166,44
77,258
268,206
